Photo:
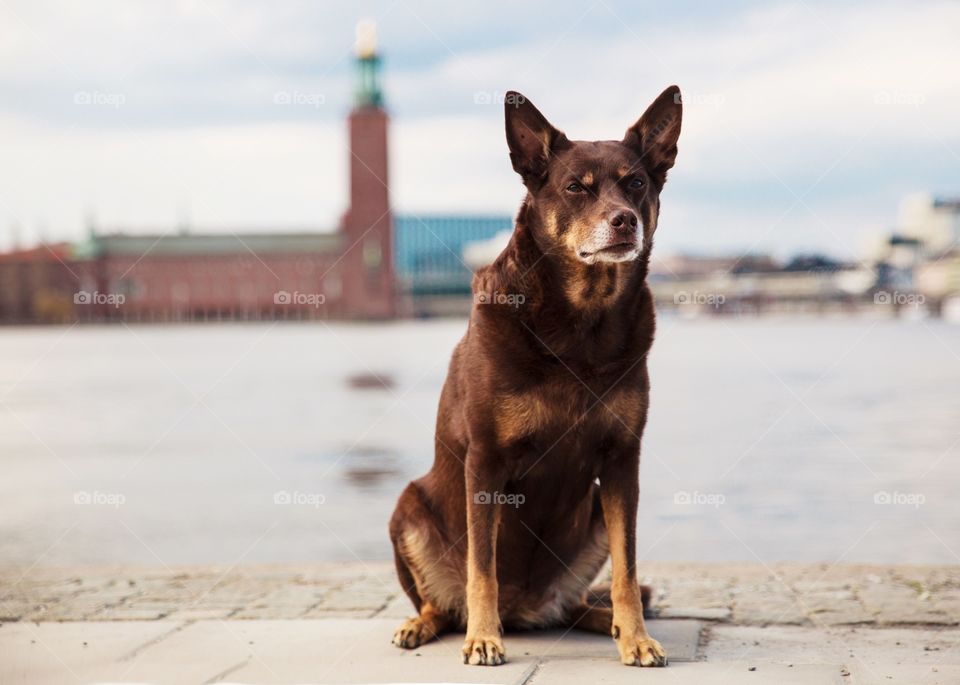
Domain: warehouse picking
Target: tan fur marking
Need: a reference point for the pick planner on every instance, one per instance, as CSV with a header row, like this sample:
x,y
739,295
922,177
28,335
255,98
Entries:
x,y
634,643
483,644
551,221
427,626
517,415
625,592
545,139
482,593
622,408
588,178
437,576
650,224
520,414
575,234
575,287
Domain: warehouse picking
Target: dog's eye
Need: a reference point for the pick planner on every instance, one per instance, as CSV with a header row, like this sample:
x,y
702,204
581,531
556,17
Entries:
x,y
575,188
636,183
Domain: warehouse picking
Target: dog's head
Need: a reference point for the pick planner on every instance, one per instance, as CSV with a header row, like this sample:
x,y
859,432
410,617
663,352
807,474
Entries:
x,y
594,201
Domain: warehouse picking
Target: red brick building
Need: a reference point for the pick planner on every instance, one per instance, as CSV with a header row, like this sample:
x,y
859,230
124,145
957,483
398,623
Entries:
x,y
38,285
177,276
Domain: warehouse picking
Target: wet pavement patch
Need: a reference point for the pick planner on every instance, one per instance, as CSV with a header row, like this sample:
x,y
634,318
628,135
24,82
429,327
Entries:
x,y
366,466
371,381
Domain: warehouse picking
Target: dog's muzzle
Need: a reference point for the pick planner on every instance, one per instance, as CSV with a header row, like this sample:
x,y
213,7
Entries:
x,y
615,239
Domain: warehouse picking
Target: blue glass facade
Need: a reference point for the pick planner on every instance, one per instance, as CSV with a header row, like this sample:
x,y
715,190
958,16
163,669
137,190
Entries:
x,y
428,250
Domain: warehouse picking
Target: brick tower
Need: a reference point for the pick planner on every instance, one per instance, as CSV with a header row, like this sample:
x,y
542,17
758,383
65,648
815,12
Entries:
x,y
368,276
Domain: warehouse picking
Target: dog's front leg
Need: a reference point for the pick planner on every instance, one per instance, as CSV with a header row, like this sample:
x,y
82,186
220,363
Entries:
x,y
484,645
619,491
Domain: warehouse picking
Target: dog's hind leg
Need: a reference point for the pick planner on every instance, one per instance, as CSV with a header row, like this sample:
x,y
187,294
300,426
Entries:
x,y
430,621
427,571
430,624
595,619
407,581
599,596
595,614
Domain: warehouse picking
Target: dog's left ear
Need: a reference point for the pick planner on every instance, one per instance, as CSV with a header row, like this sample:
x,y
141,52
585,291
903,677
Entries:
x,y
654,136
530,137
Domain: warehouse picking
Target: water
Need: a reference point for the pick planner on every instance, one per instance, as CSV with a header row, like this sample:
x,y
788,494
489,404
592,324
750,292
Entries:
x,y
249,443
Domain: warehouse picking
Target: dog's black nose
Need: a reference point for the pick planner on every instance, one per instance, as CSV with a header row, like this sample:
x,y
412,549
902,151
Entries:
x,y
623,220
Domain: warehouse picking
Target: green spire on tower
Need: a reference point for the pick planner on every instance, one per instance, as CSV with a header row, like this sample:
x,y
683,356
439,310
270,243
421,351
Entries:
x,y
368,93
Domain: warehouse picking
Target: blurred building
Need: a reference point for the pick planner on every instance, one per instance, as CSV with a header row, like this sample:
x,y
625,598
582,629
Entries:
x,y
434,259
188,277
37,284
921,258
913,270
759,284
686,265
933,221
375,266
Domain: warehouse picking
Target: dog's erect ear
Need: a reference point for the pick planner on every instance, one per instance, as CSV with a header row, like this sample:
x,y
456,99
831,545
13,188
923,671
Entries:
x,y
654,136
530,137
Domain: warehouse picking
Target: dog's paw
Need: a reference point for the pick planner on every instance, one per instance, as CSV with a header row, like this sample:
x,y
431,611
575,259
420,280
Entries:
x,y
639,651
484,651
411,634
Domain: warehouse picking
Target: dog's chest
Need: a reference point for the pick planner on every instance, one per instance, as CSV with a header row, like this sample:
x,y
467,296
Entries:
x,y
565,411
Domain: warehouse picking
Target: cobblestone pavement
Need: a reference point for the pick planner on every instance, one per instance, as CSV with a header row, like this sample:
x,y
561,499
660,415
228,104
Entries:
x,y
747,594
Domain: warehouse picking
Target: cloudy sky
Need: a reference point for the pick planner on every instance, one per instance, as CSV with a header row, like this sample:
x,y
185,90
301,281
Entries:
x,y
805,122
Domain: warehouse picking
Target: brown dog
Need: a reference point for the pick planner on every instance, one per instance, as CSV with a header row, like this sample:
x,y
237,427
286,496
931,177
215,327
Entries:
x,y
535,477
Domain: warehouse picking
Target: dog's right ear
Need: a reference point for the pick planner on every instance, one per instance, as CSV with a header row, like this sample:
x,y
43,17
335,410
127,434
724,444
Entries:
x,y
530,137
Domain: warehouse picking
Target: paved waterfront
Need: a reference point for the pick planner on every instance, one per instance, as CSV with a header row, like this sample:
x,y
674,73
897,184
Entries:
x,y
721,623
747,594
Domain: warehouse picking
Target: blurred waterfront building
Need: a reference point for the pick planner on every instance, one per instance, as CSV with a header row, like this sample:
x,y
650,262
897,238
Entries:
x,y
36,284
212,276
921,256
755,284
436,257
375,266
673,266
933,221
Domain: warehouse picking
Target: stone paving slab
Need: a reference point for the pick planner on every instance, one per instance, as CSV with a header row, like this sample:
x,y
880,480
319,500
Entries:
x,y
73,652
284,651
910,656
680,638
741,594
735,673
358,651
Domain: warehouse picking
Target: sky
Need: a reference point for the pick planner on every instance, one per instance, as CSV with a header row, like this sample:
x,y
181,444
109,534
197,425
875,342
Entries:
x,y
805,123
